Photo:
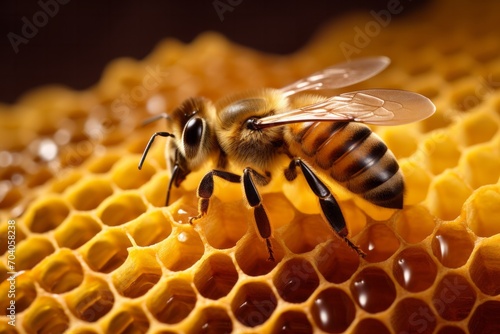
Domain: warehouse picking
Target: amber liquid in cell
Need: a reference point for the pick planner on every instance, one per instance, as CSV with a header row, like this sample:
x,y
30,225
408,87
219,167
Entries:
x,y
254,304
333,310
452,247
373,290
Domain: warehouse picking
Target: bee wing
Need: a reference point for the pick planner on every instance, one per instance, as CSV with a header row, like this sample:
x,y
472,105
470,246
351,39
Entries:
x,y
374,106
340,75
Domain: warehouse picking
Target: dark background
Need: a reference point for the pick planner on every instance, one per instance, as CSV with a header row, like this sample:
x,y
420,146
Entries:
x,y
74,45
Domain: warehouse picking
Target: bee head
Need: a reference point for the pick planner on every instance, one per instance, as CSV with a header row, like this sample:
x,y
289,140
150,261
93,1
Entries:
x,y
193,136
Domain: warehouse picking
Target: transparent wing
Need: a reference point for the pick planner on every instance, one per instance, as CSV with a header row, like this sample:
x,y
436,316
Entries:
x,y
340,75
374,106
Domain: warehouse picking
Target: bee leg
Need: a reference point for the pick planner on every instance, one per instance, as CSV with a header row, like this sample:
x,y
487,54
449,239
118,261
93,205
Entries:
x,y
173,178
255,201
329,206
178,174
206,190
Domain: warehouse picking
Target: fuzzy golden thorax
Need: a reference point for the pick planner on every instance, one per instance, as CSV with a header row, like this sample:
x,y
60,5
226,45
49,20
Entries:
x,y
242,144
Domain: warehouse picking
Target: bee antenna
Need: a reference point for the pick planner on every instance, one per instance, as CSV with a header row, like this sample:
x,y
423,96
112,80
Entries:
x,y
150,142
156,118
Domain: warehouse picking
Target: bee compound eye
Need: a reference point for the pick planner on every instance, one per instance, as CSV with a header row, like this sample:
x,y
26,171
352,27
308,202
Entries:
x,y
193,132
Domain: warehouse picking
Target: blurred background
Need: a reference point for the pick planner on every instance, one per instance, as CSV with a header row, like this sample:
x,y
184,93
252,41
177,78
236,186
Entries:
x,y
70,42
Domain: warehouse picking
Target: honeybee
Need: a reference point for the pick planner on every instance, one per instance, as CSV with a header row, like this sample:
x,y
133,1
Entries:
x,y
316,133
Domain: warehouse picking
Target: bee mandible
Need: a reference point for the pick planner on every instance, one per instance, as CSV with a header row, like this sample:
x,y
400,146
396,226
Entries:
x,y
316,133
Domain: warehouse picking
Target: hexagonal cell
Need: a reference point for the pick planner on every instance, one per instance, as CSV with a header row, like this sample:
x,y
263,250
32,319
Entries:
x,y
450,330
91,300
373,290
370,326
63,181
117,135
483,211
138,274
480,165
253,304
25,292
150,228
182,210
10,198
292,322
106,251
225,223
216,276
485,318
41,176
172,301
60,272
181,250
438,121
128,319
296,280
156,190
421,67
333,310
417,181
400,141
10,227
488,50
45,315
31,251
414,269
478,128
379,242
464,96
46,214
454,74
279,209
413,315
252,255
452,244
103,164
485,267
414,224
89,193
454,297
121,209
305,232
76,230
336,261
212,319
126,175
441,152
447,194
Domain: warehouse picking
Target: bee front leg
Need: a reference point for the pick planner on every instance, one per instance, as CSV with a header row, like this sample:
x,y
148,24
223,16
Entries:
x,y
255,201
329,206
206,190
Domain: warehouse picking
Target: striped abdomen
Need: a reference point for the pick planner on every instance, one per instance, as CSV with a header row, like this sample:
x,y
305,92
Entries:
x,y
353,156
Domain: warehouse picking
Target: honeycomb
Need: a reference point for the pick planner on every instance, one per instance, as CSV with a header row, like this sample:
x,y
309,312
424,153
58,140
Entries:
x,y
96,251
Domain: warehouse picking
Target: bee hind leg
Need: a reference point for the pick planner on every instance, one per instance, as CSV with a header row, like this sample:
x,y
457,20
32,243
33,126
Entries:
x,y
255,201
329,206
206,189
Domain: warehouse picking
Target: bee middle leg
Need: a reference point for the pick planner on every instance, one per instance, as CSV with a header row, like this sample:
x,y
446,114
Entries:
x,y
206,189
255,201
329,206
